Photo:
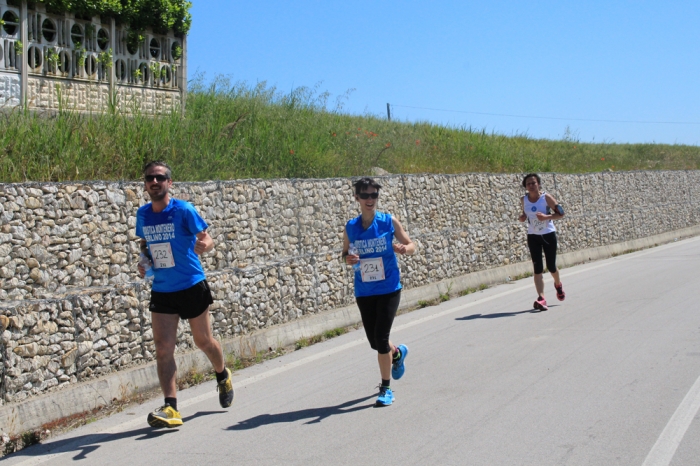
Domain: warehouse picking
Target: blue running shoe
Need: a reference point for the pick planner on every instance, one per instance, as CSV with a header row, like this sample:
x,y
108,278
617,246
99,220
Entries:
x,y
386,397
398,367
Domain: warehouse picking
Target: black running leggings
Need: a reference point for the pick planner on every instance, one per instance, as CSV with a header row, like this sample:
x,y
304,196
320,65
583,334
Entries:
x,y
378,314
548,243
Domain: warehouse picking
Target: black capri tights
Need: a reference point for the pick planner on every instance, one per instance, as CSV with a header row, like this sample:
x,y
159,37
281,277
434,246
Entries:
x,y
548,243
378,314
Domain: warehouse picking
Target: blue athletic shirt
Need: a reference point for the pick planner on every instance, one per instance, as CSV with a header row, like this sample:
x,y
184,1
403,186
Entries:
x,y
171,236
375,241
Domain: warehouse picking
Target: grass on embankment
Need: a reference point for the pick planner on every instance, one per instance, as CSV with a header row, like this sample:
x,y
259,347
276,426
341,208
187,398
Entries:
x,y
232,131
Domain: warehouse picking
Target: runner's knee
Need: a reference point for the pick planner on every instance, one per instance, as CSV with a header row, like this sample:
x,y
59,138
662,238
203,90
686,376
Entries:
x,y
383,347
204,341
164,348
552,262
539,267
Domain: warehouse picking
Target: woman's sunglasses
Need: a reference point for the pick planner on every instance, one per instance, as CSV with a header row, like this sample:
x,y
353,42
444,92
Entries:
x,y
368,195
158,178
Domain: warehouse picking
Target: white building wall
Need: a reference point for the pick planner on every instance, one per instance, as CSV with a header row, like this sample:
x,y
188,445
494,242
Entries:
x,y
87,65
9,89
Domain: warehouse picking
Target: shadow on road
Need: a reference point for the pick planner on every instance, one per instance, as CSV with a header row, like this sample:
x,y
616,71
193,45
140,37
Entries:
x,y
86,444
313,414
503,314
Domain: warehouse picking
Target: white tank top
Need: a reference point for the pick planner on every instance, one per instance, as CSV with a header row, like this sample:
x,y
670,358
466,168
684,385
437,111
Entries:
x,y
534,226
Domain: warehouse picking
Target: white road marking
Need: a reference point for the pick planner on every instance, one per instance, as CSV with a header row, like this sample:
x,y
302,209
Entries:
x,y
669,440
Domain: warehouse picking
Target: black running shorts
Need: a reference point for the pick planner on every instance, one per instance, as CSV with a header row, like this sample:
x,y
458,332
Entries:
x,y
188,304
378,313
546,243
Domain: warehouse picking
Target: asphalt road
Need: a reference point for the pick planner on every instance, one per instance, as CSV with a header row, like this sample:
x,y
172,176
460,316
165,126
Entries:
x,y
611,376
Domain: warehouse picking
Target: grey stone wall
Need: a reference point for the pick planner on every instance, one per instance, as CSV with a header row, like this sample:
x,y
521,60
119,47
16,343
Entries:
x,y
72,307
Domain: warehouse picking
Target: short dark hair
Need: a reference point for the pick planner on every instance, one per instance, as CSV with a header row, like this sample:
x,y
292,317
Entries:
x,y
530,175
365,183
157,163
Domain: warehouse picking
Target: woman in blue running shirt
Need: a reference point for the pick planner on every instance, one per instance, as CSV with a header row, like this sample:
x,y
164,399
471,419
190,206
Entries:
x,y
368,246
539,209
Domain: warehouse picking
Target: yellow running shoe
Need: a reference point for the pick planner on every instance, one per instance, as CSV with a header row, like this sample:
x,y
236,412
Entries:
x,y
225,390
165,416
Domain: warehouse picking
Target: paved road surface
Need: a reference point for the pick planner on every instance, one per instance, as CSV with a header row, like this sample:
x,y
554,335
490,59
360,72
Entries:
x,y
611,376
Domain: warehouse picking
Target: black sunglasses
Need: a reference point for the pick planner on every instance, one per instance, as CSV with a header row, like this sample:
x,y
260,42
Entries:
x,y
158,178
368,195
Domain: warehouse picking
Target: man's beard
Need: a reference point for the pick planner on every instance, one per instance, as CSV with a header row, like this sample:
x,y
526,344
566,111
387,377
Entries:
x,y
158,196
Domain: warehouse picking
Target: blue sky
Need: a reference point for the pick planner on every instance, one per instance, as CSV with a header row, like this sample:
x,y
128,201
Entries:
x,y
551,65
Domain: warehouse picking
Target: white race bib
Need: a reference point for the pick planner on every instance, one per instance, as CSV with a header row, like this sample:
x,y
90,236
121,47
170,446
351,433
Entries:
x,y
372,270
162,256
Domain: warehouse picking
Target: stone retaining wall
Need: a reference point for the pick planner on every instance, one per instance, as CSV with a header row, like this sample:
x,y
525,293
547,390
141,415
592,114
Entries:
x,y
72,307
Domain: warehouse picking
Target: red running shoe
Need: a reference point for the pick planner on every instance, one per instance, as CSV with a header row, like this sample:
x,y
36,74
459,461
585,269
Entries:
x,y
541,304
560,291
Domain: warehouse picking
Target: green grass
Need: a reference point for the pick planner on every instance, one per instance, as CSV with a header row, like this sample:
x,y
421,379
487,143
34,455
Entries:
x,y
301,343
24,440
521,276
327,335
336,332
193,377
233,130
253,356
467,291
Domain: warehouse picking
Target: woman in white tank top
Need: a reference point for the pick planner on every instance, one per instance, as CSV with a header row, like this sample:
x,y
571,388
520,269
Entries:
x,y
539,210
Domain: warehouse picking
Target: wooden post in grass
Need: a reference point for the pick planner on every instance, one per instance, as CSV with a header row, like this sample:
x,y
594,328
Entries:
x,y
388,112
23,58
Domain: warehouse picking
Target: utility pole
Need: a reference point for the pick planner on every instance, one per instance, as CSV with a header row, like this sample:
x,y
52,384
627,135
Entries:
x,y
388,112
24,57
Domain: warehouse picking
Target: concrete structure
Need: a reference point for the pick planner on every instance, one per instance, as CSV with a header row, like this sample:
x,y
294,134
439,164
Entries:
x,y
73,310
54,63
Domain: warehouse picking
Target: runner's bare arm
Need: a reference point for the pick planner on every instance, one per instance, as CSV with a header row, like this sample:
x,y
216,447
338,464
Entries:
x,y
552,204
405,246
522,216
350,260
144,250
204,243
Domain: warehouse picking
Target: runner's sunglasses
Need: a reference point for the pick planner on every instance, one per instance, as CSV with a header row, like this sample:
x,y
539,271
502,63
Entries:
x,y
158,178
368,195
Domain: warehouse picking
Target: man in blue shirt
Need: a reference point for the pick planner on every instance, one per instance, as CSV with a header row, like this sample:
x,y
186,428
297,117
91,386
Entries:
x,y
173,235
